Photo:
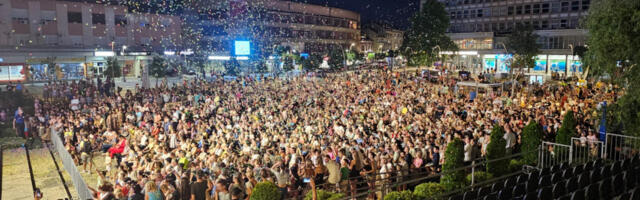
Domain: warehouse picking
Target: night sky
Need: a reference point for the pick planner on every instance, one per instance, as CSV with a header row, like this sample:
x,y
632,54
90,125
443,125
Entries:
x,y
394,12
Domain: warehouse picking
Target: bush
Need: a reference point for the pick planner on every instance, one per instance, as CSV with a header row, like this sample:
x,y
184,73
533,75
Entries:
x,y
531,140
516,165
404,195
428,190
265,191
567,130
480,176
453,159
324,195
497,149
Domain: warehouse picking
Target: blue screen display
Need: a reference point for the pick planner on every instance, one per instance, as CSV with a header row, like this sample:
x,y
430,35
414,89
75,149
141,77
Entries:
x,y
242,48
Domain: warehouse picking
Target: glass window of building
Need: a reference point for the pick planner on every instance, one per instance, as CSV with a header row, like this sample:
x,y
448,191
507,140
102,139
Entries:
x,y
466,14
563,23
545,8
575,5
479,13
120,20
536,8
527,9
98,19
555,7
518,10
472,14
565,6
585,4
74,17
510,10
544,24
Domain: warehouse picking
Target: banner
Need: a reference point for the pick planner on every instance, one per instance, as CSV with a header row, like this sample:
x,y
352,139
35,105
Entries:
x,y
12,72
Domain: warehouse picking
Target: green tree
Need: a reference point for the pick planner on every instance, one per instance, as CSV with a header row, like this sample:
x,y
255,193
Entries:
x,y
453,177
404,195
288,63
497,149
567,130
427,32
113,68
265,191
531,140
613,29
428,190
336,56
157,68
522,44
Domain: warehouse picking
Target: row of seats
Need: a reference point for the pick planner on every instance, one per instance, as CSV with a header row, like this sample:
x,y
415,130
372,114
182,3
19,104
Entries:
x,y
591,180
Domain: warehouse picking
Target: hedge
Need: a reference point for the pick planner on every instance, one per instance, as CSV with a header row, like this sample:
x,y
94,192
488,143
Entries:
x,y
428,190
324,195
567,130
497,149
453,159
404,195
265,191
515,165
480,176
531,140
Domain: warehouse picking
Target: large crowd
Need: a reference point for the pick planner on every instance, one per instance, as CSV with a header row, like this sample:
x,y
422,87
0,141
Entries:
x,y
218,139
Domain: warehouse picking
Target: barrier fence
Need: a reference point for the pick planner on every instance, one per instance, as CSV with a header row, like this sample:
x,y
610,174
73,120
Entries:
x,y
620,147
379,184
553,153
586,150
70,167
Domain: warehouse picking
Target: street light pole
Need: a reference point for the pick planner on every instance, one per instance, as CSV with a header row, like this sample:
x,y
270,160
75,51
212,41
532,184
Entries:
x,y
124,47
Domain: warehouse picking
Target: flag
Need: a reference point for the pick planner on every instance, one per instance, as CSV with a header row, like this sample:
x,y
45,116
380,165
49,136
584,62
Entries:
x,y
603,122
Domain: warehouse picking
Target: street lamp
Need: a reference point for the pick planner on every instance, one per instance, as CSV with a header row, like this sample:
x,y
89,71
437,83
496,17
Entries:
x,y
124,47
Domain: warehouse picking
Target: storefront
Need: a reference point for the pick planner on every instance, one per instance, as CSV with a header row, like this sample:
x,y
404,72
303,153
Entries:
x,y
12,72
63,69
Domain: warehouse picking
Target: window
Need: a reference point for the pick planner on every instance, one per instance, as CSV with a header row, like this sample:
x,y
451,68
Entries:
x,y
565,6
544,24
472,14
20,16
518,10
575,6
47,17
479,13
510,10
545,8
585,4
555,7
466,14
97,18
563,23
452,15
555,24
459,14
74,17
536,8
120,20
527,9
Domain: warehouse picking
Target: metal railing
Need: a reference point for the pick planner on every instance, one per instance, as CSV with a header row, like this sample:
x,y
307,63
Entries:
x,y
584,150
553,153
379,184
70,167
620,147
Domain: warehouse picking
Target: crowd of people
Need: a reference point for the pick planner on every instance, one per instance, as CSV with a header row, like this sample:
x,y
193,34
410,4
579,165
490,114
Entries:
x,y
217,140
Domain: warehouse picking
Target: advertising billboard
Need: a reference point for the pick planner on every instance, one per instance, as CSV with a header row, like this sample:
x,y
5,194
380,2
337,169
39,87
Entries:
x,y
11,72
242,48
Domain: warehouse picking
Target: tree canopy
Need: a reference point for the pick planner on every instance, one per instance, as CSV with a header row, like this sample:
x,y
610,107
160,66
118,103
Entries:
x,y
614,27
522,44
427,31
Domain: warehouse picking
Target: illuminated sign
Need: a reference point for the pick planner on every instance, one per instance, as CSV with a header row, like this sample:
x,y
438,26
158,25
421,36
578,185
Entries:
x,y
219,57
242,48
104,53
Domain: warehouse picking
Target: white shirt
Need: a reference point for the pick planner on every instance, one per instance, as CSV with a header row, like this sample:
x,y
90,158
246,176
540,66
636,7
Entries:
x,y
510,138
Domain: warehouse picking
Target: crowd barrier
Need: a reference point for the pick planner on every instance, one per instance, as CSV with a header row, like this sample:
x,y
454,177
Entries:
x,y
620,147
70,167
553,153
395,180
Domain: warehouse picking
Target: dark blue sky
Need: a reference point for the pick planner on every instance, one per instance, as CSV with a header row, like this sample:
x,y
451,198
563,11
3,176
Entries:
x,y
395,12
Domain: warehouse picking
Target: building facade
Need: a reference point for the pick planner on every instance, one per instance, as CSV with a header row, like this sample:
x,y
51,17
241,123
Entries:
x,y
383,37
303,27
36,33
77,37
480,29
